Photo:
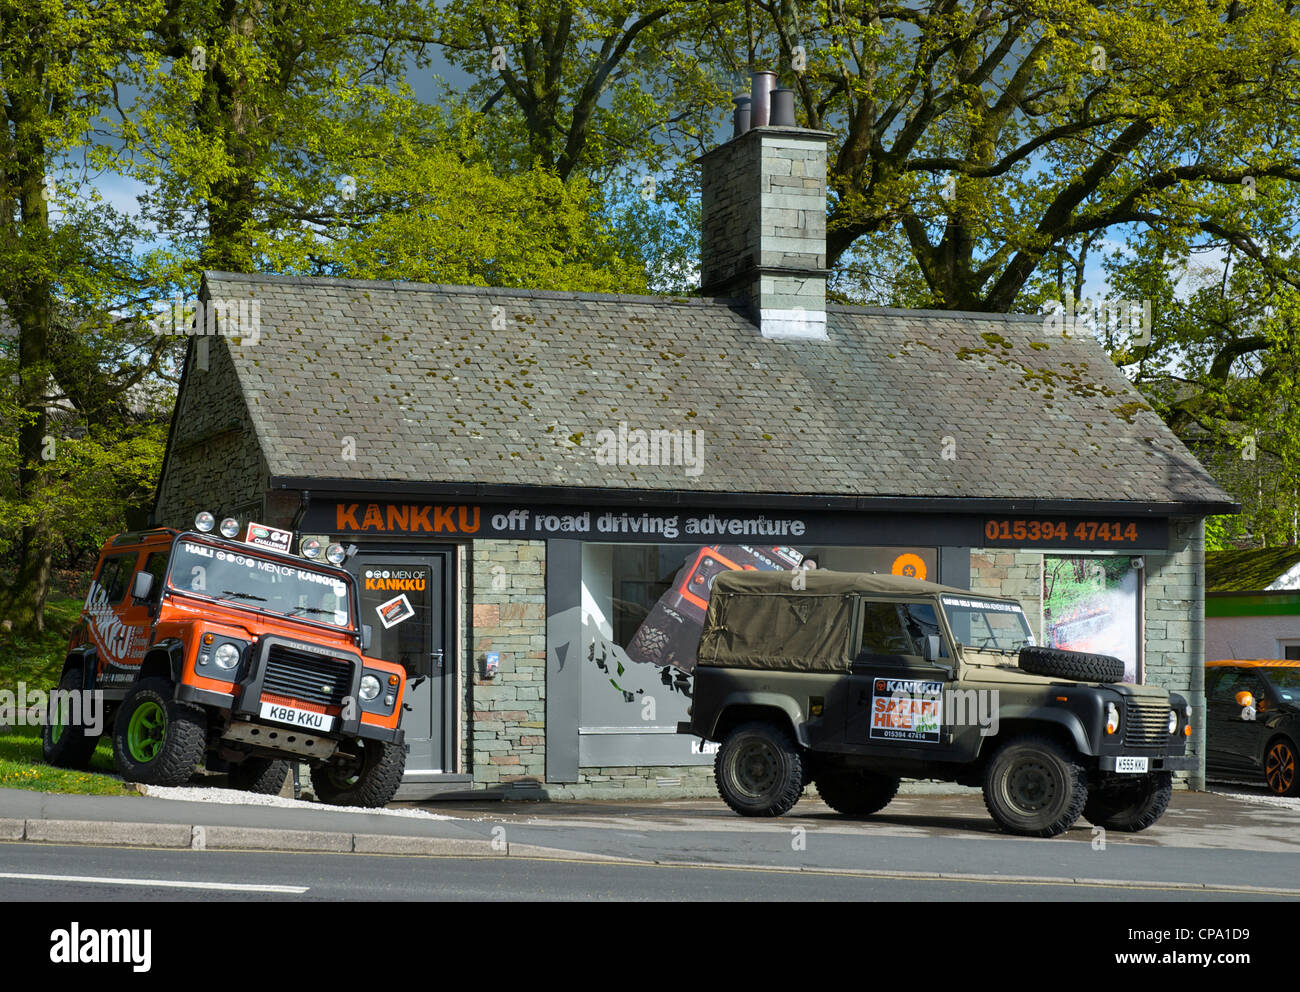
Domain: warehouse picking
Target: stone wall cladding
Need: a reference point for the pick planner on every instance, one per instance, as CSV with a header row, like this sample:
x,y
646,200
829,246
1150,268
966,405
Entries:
x,y
730,210
1011,575
214,462
639,782
764,206
505,728
1175,627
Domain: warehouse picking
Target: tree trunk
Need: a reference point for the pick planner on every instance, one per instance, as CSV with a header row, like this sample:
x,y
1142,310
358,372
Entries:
x,y
29,297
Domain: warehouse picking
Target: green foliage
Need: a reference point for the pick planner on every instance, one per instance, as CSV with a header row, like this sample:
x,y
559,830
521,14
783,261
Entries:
x,y
1222,365
978,146
426,206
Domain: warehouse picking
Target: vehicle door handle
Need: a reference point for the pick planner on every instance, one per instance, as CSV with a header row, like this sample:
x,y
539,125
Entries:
x,y
437,659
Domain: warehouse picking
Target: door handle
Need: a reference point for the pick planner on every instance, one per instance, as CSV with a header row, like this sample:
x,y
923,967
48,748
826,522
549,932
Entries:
x,y
437,658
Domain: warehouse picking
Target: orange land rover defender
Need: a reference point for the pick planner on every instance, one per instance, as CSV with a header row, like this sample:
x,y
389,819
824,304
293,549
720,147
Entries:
x,y
232,651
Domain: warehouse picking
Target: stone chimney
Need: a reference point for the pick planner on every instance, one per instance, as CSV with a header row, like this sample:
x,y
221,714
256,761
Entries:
x,y
764,217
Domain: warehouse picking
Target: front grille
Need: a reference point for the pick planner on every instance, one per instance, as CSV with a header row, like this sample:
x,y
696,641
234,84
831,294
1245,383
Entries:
x,y
306,677
1146,723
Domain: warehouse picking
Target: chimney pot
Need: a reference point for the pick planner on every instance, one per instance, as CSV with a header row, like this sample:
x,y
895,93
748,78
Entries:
x,y
741,116
782,108
761,91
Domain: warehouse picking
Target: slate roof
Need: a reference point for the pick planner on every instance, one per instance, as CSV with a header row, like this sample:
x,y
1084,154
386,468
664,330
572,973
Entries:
x,y
446,384
1253,570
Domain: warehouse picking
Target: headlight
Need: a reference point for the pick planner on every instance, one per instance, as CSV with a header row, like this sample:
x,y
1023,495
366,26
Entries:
x,y
229,527
204,522
1112,718
1173,721
310,548
335,554
369,687
227,656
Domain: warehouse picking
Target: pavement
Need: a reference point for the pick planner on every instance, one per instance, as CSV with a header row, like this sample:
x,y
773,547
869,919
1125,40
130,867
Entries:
x,y
1239,832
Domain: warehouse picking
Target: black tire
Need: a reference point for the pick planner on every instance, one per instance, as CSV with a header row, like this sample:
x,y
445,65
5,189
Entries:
x,y
1129,803
649,645
73,746
759,770
856,793
1281,771
263,776
370,781
184,736
1034,787
1074,665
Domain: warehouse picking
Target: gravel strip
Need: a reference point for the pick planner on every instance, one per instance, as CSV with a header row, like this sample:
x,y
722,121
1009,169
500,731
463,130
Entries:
x,y
234,797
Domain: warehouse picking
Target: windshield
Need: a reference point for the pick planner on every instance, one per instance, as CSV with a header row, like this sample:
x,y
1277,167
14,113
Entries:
x,y
259,583
1287,681
987,625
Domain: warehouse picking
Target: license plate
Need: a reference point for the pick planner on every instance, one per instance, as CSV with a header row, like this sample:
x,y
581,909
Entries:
x,y
1132,765
306,719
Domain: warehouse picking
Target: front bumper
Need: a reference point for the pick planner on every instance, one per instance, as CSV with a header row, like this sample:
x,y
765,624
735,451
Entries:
x,y
1157,763
346,730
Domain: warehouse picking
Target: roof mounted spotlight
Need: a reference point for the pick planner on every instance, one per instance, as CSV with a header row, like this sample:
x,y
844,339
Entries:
x,y
204,522
335,554
310,548
230,528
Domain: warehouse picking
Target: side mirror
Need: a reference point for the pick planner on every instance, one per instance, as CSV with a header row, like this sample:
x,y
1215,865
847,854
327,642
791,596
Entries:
x,y
931,648
366,632
142,585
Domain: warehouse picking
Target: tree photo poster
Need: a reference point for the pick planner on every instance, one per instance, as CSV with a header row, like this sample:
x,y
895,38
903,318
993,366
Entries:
x,y
1092,603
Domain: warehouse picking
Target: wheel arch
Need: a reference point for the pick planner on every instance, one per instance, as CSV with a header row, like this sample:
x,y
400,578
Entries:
x,y
165,660
85,660
1060,726
747,707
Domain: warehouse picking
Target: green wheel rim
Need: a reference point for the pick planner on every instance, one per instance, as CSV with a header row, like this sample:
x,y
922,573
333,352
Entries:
x,y
56,723
146,731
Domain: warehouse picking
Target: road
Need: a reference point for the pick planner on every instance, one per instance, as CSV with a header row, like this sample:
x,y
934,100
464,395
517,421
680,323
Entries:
x,y
922,847
38,872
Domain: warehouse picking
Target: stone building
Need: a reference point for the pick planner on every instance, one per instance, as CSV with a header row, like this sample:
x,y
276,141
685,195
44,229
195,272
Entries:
x,y
550,479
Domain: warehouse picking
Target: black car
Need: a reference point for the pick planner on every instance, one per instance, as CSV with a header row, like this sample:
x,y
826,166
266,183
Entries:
x,y
1256,737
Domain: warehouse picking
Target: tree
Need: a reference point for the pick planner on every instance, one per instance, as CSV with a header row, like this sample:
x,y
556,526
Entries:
x,y
61,269
427,206
596,89
1222,367
991,138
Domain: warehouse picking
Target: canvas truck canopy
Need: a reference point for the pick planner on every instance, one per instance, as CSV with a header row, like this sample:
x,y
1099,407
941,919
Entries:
x,y
760,620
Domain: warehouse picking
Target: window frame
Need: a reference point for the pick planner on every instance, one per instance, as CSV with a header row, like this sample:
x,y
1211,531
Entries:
x,y
131,557
861,658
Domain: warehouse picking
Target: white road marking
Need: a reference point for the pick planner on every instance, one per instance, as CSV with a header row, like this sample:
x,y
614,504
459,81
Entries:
x,y
160,883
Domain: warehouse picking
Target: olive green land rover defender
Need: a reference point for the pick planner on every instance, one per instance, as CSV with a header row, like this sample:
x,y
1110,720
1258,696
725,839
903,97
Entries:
x,y
855,681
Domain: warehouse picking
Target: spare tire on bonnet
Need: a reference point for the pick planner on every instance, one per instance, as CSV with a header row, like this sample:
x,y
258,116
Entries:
x,y
1075,665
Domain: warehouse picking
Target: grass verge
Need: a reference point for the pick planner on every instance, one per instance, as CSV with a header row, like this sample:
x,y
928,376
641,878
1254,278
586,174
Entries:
x,y
21,767
36,661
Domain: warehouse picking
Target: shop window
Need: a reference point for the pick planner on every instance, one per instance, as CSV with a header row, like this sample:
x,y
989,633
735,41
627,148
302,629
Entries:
x,y
643,609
